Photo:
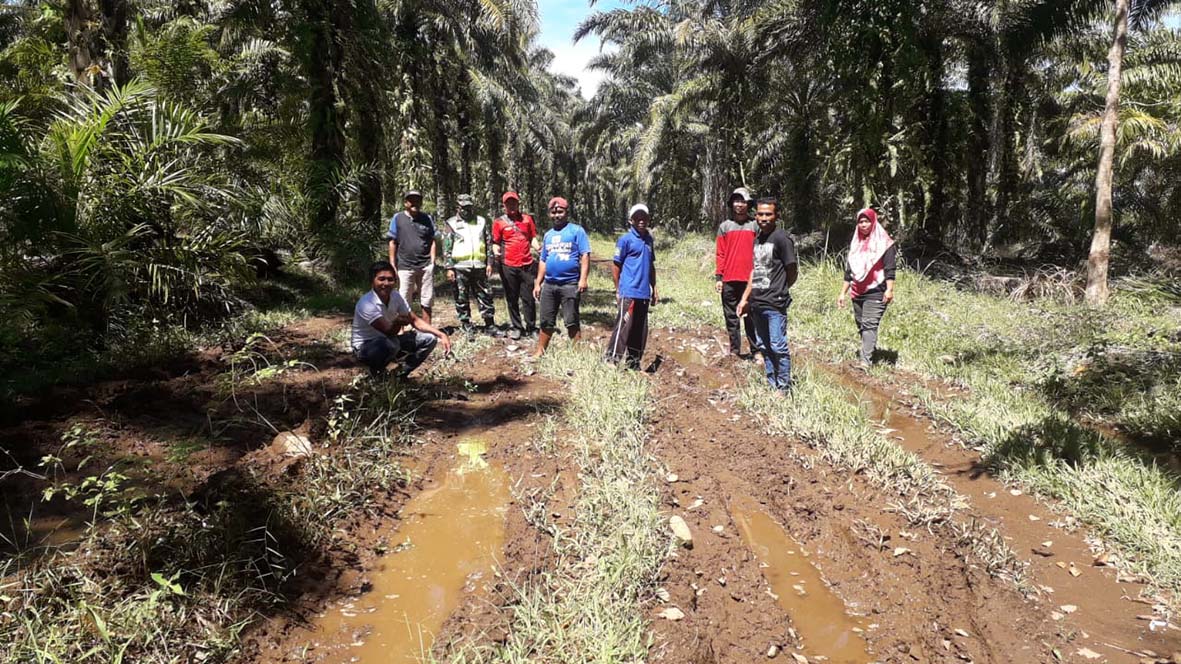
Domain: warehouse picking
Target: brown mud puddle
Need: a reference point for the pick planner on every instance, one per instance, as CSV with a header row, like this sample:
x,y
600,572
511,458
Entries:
x,y
825,627
451,538
1094,600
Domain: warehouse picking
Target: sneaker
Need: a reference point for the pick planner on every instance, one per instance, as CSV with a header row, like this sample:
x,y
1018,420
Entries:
x,y
467,327
491,330
531,332
514,334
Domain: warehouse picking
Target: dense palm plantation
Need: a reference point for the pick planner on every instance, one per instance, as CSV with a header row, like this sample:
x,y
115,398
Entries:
x,y
973,125
155,156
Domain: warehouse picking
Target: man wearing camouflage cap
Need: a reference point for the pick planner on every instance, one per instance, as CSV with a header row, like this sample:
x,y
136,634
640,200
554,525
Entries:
x,y
467,256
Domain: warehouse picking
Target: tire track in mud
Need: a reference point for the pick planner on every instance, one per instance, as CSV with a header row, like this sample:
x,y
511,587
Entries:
x,y
1062,565
498,407
912,603
922,602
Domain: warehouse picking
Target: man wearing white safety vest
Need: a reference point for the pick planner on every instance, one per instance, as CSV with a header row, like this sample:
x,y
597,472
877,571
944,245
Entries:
x,y
467,255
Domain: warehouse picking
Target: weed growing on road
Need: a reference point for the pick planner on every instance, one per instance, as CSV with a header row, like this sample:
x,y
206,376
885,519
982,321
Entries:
x,y
588,608
168,580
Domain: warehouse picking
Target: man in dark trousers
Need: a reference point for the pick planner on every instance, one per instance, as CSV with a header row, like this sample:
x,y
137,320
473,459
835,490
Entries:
x,y
562,274
767,296
412,252
514,236
635,289
467,255
733,260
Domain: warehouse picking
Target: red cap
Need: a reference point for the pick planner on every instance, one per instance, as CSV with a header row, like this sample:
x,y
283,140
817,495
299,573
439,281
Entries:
x,y
559,201
508,195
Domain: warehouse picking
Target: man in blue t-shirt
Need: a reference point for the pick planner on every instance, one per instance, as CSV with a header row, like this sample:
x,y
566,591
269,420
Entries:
x,y
635,289
561,273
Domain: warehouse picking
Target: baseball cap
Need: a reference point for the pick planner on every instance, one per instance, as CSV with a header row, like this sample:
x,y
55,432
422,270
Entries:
x,y
637,208
412,192
464,200
744,193
558,201
509,194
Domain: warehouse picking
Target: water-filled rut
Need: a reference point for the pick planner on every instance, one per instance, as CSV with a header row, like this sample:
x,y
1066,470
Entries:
x,y
448,544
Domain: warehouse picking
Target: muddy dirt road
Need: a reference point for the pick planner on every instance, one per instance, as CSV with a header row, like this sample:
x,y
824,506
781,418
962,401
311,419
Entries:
x,y
790,558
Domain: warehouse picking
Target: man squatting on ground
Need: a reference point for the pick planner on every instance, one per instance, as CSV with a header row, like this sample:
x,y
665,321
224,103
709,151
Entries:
x,y
732,257
412,252
635,289
562,271
378,319
514,236
467,255
767,296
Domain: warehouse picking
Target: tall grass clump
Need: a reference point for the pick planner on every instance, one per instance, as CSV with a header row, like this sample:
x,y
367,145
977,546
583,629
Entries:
x,y
588,607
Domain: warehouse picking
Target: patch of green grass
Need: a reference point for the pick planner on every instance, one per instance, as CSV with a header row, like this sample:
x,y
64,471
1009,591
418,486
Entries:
x,y
588,608
818,412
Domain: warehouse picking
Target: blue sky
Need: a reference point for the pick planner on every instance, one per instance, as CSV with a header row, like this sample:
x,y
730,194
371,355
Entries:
x,y
559,18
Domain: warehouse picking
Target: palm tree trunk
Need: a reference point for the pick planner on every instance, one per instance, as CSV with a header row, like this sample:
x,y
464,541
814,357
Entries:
x,y
115,19
327,140
1100,256
76,21
979,66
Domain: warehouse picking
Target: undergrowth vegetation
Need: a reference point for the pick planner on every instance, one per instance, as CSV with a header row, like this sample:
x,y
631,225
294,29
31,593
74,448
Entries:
x,y
176,579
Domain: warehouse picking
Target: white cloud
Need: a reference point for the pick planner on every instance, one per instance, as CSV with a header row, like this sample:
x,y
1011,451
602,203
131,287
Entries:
x,y
571,60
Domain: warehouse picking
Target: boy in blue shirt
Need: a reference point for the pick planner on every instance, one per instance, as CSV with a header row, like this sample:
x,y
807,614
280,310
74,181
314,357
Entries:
x,y
635,289
561,273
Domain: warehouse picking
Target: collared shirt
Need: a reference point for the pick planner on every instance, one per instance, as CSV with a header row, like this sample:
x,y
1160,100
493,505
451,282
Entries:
x,y
369,308
517,236
637,265
562,251
415,235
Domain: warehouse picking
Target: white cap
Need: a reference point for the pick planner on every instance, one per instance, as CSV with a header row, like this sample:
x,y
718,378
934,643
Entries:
x,y
636,208
744,193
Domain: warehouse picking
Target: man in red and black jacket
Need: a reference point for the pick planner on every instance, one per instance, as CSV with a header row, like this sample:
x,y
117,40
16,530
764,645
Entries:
x,y
514,237
734,259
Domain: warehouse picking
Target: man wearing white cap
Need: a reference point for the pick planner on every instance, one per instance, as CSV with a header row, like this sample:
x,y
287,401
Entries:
x,y
412,252
733,260
635,289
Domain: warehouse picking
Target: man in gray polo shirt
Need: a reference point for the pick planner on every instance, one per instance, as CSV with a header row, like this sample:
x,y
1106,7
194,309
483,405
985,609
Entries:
x,y
412,252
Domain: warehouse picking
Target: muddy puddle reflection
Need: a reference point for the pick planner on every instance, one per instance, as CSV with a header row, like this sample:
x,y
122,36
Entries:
x,y
819,616
710,377
446,547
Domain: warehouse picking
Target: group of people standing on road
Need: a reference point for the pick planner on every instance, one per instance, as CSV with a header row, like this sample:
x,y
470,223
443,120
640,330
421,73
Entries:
x,y
756,265
472,247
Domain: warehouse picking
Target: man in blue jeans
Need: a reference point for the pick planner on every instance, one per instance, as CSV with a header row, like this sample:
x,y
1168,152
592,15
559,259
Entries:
x,y
767,295
378,320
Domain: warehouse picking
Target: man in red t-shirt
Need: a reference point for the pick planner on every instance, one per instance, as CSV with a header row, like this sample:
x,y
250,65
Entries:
x,y
514,237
